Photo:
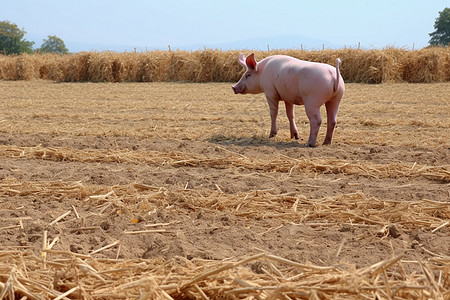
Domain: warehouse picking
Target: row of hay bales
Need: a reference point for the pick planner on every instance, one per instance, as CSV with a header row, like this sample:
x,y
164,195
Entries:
x,y
365,66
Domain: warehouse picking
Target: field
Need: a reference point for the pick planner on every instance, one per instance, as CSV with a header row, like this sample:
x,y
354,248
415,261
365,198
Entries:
x,y
173,190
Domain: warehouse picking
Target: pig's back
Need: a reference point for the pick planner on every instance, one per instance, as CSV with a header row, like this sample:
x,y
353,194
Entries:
x,y
294,78
283,64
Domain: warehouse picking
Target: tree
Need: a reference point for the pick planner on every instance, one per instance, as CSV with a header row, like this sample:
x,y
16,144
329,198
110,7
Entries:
x,y
441,36
11,39
53,45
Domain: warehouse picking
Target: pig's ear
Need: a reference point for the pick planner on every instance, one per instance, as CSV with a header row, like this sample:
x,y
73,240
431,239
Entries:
x,y
251,62
242,60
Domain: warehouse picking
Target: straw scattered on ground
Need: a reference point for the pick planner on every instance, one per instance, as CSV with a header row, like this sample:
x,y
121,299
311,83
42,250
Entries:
x,y
263,276
174,191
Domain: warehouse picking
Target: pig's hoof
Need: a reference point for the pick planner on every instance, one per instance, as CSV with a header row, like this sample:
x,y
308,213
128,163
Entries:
x,y
272,135
294,135
310,145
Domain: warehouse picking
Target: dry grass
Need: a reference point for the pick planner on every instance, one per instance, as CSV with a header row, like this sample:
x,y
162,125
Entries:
x,y
346,209
385,115
278,164
394,137
365,66
82,276
59,273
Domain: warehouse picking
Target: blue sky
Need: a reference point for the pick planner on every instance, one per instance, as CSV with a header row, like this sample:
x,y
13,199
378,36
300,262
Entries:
x,y
123,25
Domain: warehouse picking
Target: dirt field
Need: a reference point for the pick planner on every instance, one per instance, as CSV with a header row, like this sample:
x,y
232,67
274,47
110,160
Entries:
x,y
182,176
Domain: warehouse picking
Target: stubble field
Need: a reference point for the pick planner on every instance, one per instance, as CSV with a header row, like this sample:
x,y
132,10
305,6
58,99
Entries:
x,y
173,190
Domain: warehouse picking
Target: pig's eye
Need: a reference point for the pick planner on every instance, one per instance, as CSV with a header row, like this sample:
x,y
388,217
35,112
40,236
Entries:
x,y
247,75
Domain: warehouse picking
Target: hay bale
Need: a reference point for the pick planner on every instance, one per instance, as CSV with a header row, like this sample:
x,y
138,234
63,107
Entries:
x,y
103,66
182,66
153,66
364,66
76,67
52,68
427,65
206,70
27,67
7,68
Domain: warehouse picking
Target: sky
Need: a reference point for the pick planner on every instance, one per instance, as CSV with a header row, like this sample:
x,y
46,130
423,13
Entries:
x,y
86,25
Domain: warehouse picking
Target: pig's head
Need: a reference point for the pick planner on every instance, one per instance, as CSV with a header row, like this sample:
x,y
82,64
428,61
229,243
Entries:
x,y
249,82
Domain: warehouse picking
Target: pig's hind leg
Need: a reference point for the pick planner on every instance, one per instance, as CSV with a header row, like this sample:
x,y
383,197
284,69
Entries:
x,y
291,118
332,110
315,120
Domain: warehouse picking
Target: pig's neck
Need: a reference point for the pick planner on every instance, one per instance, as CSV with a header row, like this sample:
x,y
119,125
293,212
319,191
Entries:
x,y
261,67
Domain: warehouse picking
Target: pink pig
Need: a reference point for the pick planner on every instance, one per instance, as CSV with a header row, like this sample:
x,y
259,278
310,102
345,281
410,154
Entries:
x,y
284,78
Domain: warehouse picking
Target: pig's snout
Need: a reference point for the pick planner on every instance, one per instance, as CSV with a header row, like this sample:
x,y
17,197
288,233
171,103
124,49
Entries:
x,y
238,89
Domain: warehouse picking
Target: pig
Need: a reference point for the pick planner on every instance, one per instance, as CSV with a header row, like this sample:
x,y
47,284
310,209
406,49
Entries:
x,y
284,78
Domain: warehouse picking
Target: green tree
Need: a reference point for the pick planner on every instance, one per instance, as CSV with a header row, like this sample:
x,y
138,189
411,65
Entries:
x,y
441,36
53,45
11,39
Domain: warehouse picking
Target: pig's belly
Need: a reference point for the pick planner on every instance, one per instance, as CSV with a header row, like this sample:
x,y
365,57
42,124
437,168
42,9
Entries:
x,y
288,91
297,100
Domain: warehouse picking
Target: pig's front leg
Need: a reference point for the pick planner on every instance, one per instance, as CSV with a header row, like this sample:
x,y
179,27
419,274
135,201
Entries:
x,y
291,118
273,107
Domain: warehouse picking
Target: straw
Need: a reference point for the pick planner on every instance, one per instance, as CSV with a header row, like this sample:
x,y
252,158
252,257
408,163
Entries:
x,y
204,279
368,66
281,164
